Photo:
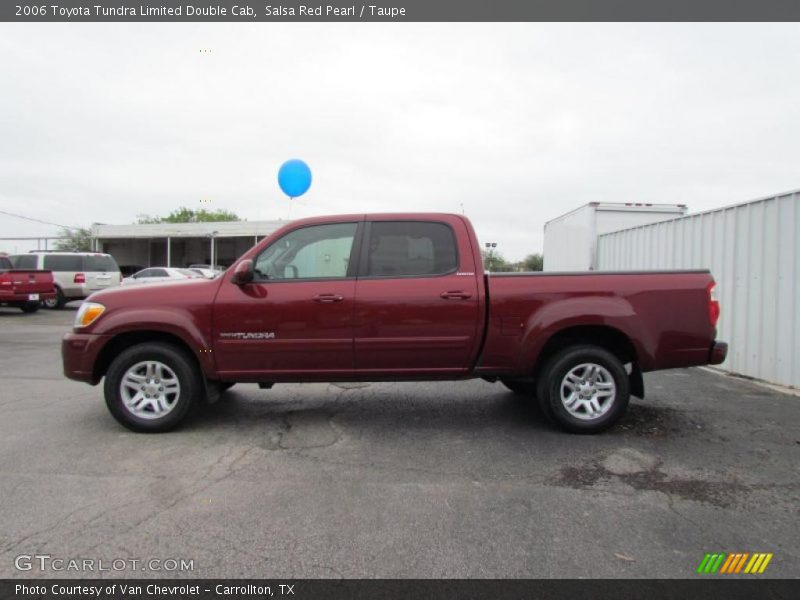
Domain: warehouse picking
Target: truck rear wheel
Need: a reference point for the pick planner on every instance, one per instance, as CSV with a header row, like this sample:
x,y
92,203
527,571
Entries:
x,y
584,389
150,387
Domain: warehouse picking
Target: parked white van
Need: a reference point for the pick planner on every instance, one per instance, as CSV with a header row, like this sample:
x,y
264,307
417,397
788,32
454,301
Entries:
x,y
76,274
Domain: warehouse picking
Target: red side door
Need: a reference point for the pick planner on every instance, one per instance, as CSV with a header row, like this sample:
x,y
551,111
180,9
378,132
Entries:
x,y
296,319
417,302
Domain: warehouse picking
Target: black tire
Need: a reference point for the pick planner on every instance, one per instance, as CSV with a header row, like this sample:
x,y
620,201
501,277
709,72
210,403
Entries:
x,y
521,388
30,307
183,368
55,303
552,377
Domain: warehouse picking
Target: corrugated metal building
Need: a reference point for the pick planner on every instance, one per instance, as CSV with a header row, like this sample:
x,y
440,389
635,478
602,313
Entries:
x,y
753,251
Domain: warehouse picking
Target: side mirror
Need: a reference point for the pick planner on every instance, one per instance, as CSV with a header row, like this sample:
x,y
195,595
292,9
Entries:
x,y
243,273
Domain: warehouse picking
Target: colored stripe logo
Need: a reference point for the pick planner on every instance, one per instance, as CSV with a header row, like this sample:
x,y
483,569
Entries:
x,y
735,563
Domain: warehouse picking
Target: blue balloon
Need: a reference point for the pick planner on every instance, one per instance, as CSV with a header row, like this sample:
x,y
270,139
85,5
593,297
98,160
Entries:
x,y
294,177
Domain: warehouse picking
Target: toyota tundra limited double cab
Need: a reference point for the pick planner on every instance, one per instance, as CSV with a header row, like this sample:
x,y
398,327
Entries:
x,y
391,297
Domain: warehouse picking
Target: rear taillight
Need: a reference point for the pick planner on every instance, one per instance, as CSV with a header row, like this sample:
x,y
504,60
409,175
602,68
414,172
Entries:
x,y
79,278
713,304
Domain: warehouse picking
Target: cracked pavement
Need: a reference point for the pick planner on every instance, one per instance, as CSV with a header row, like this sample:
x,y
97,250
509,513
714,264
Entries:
x,y
392,479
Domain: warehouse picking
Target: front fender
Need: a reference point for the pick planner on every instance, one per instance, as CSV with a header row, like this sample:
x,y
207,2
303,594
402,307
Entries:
x,y
181,323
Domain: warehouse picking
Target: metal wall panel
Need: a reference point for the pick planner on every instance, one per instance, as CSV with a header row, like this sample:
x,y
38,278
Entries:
x,y
753,251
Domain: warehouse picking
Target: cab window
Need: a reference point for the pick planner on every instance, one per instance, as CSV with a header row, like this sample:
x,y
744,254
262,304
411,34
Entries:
x,y
409,249
316,252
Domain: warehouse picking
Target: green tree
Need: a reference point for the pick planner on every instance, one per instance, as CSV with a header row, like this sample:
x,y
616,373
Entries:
x,y
532,262
188,215
494,262
77,240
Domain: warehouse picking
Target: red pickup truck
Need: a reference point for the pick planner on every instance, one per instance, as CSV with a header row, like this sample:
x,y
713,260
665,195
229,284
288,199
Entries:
x,y
24,288
391,297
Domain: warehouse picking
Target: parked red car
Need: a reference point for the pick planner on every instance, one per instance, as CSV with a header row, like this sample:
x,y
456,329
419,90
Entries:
x,y
24,288
391,297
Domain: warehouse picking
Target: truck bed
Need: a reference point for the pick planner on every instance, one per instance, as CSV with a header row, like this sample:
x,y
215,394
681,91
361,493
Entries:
x,y
664,314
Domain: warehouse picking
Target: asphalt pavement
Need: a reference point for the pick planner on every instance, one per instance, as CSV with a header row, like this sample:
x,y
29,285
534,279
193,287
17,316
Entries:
x,y
388,479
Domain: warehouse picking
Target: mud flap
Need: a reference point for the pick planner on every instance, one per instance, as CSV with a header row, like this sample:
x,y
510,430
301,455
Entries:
x,y
213,391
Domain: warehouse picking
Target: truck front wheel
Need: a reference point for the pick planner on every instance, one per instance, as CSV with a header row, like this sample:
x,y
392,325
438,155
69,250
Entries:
x,y
584,389
150,387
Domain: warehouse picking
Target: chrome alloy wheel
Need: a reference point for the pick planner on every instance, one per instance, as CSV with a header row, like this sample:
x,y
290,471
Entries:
x,y
150,389
588,391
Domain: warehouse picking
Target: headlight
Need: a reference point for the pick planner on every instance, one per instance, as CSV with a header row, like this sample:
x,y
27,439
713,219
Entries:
x,y
88,313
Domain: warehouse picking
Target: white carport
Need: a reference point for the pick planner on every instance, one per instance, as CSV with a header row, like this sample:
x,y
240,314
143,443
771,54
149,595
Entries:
x,y
180,244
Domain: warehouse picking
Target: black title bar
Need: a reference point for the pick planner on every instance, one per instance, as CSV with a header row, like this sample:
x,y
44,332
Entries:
x,y
398,10
381,589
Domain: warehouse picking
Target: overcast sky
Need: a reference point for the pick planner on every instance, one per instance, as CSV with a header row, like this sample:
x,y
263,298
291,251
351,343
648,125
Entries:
x,y
516,123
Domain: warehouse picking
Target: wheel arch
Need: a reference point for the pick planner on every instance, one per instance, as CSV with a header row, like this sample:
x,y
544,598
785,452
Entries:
x,y
127,339
607,337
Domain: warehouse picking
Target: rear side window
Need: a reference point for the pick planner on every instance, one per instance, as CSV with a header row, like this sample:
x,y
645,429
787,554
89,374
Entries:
x,y
63,262
410,248
157,273
24,261
99,262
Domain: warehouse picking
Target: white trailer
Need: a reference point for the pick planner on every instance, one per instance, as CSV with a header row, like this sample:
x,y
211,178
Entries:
x,y
570,241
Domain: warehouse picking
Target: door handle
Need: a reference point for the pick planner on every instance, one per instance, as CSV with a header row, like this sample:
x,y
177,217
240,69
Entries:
x,y
456,295
328,298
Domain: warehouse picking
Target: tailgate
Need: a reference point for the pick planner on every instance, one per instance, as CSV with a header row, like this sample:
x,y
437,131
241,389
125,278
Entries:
x,y
100,281
27,282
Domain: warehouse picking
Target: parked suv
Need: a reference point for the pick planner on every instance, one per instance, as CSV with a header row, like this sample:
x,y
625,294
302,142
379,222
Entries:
x,y
76,274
